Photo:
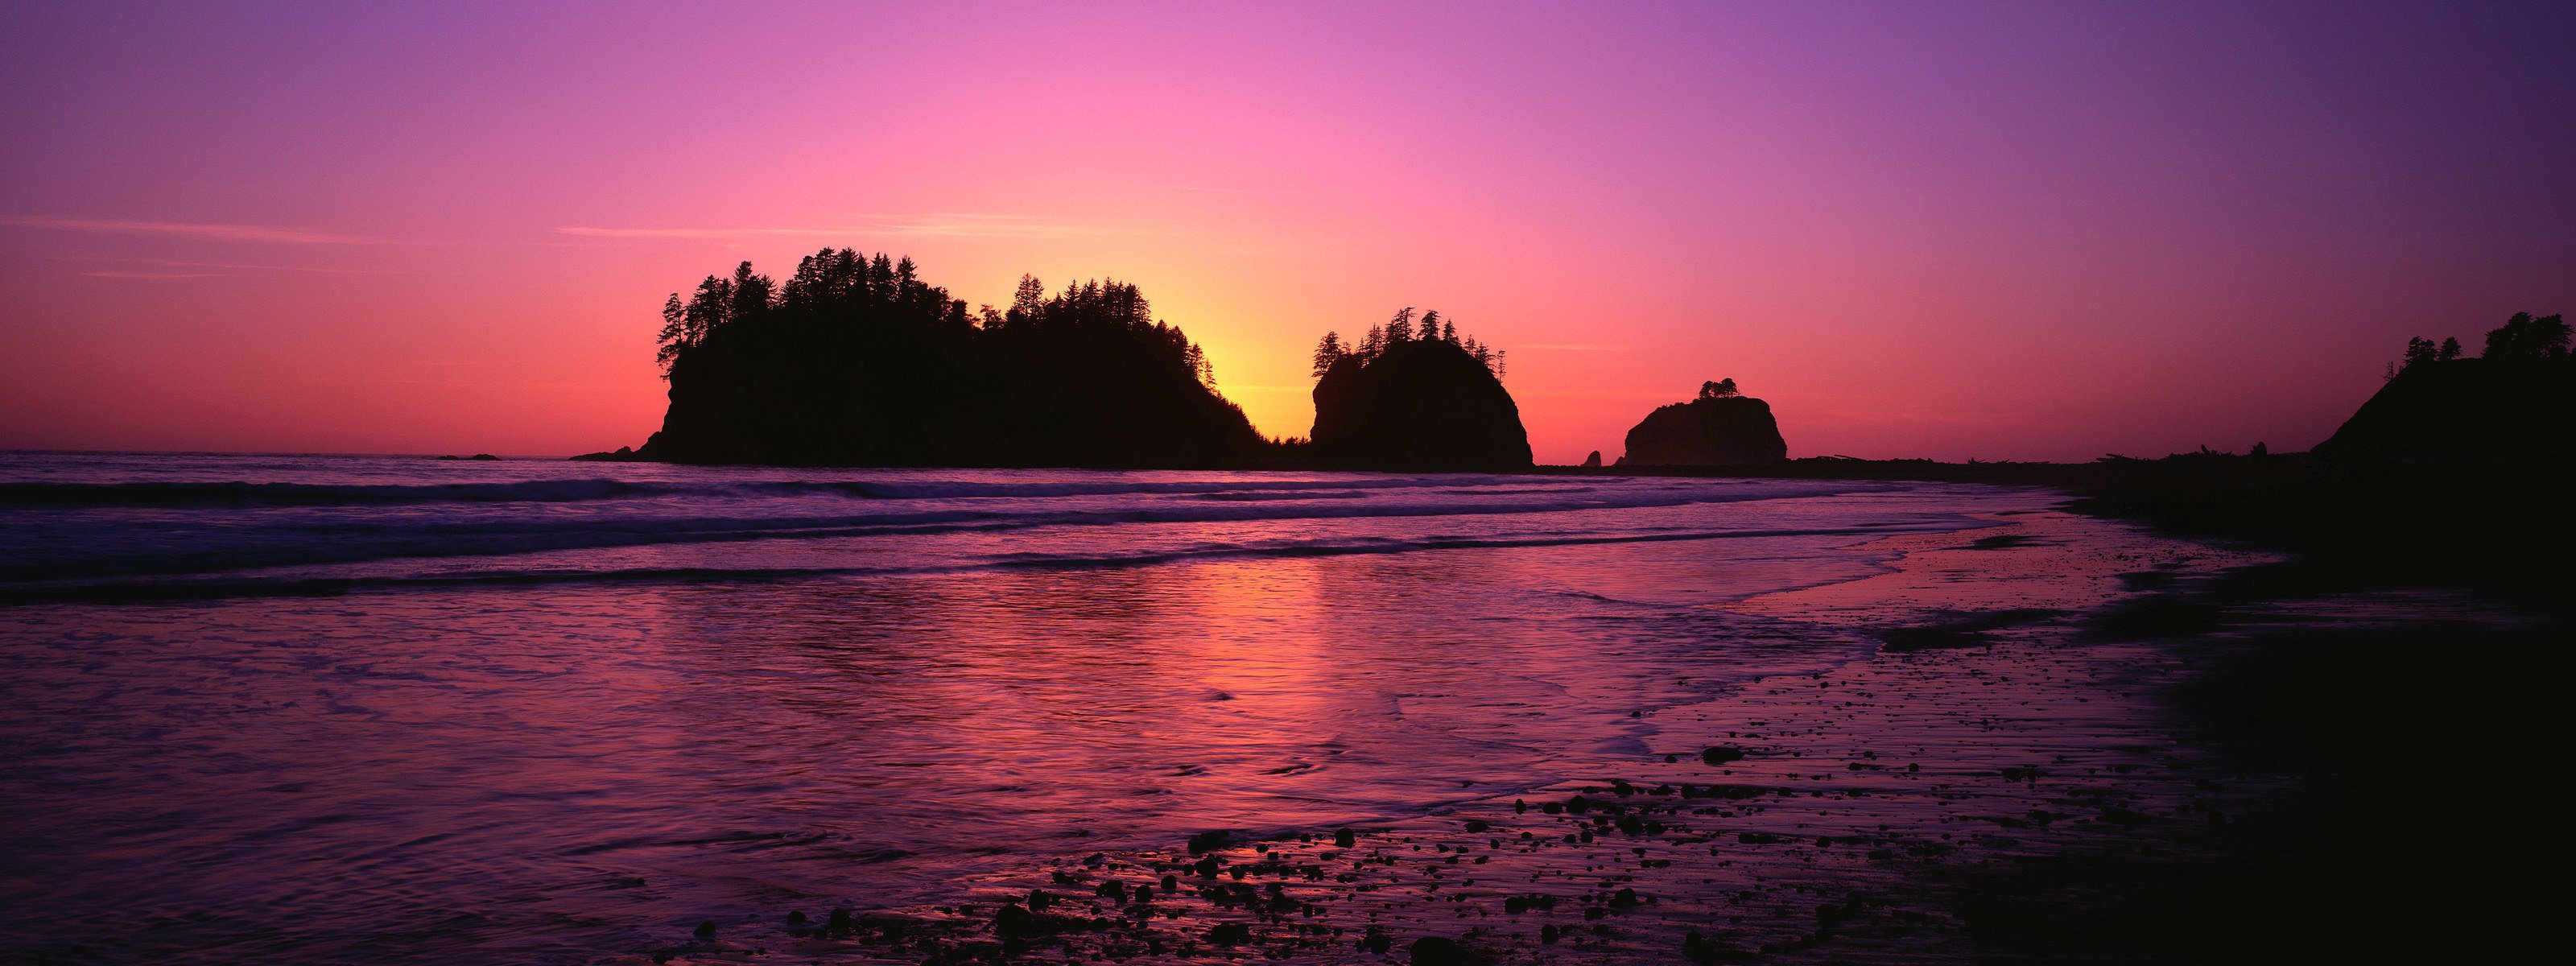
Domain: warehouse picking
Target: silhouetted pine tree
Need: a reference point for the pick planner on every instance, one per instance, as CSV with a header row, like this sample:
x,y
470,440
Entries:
x,y
1328,352
2420,350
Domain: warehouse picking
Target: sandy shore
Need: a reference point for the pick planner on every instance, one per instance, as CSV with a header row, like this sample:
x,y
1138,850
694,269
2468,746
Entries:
x,y
2052,760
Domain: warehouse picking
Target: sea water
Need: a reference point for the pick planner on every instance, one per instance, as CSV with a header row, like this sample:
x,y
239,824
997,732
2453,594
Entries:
x,y
397,709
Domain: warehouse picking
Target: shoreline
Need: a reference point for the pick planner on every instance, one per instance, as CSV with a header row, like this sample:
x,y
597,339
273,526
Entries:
x,y
2021,780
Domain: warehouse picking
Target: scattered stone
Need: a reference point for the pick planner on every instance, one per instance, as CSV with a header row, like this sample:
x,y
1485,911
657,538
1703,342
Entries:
x,y
1229,934
1376,941
1701,949
1438,951
1011,922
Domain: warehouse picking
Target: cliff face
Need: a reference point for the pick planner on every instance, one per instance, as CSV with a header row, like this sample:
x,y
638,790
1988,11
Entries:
x,y
2466,410
1729,431
1420,406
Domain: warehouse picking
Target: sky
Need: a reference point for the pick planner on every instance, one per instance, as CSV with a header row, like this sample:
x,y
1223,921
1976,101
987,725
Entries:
x,y
1951,230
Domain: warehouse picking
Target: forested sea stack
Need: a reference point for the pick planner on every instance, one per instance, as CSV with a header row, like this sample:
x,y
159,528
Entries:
x,y
1415,399
1723,427
855,361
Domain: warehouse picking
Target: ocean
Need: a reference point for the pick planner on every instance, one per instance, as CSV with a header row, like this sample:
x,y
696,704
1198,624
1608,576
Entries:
x,y
395,709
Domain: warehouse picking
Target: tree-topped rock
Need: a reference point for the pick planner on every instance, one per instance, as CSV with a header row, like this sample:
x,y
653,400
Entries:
x,y
1723,427
1415,399
856,361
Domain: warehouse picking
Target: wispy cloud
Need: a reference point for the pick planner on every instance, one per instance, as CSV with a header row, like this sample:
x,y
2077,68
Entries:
x,y
233,265
955,225
177,229
158,274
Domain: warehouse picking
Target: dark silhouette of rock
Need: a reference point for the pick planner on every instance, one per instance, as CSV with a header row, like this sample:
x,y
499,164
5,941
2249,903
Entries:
x,y
2484,410
1720,428
1701,949
483,456
1229,934
857,362
1376,941
1418,406
1438,951
1012,921
1592,462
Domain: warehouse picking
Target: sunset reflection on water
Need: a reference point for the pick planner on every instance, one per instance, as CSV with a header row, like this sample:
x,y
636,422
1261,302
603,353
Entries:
x,y
562,762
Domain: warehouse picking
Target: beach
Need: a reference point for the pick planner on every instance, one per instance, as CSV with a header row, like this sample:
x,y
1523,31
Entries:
x,y
2035,778
1793,722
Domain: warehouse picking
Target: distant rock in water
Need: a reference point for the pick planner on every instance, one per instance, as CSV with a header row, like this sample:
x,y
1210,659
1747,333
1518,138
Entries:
x,y
2483,410
1592,462
1720,428
1415,405
856,362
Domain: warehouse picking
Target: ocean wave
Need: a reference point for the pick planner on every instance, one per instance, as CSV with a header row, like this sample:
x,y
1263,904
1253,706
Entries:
x,y
174,495
144,588
187,495
90,548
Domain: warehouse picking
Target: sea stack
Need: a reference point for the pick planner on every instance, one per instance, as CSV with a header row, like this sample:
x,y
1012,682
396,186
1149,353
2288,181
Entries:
x,y
856,361
1723,427
1419,405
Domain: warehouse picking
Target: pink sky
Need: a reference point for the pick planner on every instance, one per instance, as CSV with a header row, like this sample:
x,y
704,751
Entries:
x,y
2036,231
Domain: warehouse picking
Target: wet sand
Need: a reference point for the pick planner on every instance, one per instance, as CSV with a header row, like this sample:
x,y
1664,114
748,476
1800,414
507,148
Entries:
x,y
2047,762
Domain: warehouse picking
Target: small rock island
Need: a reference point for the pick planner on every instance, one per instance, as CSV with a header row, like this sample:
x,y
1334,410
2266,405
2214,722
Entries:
x,y
1415,399
1723,427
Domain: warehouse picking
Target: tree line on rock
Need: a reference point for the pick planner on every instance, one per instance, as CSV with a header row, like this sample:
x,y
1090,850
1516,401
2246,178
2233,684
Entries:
x,y
855,360
2520,337
1401,331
